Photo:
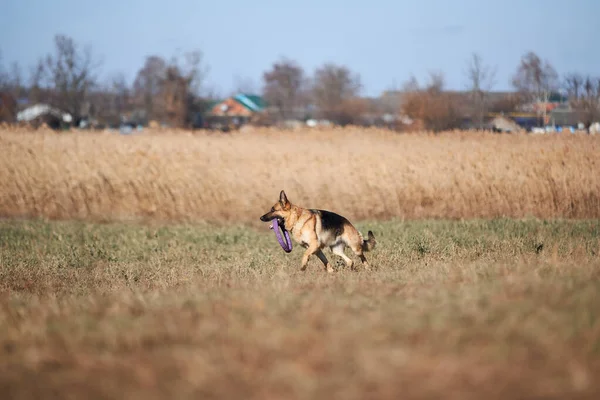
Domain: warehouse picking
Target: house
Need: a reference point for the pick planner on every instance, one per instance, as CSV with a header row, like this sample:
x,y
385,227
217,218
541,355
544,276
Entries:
x,y
43,113
233,111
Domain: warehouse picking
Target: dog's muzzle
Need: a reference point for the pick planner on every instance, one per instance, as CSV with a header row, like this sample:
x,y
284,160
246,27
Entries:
x,y
269,217
265,218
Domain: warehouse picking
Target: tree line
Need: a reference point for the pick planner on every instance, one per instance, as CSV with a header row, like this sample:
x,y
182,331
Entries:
x,y
174,90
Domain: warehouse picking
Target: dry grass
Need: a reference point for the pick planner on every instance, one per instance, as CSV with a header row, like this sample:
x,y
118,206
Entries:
x,y
454,310
475,309
361,173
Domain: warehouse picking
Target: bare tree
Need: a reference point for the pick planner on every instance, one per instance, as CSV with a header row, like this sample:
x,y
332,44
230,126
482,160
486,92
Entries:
x,y
3,77
584,95
194,69
591,99
411,85
169,91
186,79
285,87
431,106
37,89
437,82
11,80
148,85
481,79
536,80
15,81
334,89
175,94
71,74
113,101
7,102
122,93
572,84
8,107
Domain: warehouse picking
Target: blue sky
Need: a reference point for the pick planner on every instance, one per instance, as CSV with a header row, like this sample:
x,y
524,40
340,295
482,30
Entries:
x,y
384,40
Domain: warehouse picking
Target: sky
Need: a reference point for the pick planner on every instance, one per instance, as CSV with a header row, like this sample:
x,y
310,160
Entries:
x,y
385,41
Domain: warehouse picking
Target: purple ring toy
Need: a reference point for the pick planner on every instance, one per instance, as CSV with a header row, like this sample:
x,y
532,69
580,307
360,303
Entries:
x,y
287,244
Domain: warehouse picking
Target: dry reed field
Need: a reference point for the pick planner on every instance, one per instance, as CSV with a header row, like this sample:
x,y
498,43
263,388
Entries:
x,y
362,173
136,266
456,310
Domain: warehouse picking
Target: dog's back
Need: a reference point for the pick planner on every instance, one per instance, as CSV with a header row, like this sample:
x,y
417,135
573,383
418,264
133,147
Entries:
x,y
333,229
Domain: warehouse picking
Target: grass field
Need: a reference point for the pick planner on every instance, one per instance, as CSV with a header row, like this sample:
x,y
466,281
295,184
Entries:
x,y
455,310
360,173
136,266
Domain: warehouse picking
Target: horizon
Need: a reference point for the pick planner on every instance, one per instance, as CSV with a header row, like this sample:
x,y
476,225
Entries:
x,y
422,37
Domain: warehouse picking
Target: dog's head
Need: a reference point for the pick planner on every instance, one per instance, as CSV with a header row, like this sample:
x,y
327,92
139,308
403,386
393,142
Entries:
x,y
280,210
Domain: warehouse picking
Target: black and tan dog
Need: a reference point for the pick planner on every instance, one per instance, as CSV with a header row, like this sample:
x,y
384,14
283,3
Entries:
x,y
317,229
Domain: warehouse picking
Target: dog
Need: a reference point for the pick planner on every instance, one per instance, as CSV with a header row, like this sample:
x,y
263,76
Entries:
x,y
316,229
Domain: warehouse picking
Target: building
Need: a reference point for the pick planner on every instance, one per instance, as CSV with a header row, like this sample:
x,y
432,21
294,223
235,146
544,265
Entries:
x,y
565,116
39,114
234,111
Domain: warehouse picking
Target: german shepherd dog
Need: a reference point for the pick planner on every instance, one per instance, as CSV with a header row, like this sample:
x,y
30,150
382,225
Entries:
x,y
317,229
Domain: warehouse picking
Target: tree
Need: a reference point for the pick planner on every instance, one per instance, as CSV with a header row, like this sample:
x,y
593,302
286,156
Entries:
x,y
481,79
113,100
536,80
15,82
335,89
3,77
285,87
8,107
185,87
431,106
148,86
7,101
572,84
121,94
169,91
37,91
11,80
194,70
584,95
590,103
70,72
175,95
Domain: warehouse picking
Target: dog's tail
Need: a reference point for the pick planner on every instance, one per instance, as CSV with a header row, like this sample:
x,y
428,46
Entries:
x,y
369,244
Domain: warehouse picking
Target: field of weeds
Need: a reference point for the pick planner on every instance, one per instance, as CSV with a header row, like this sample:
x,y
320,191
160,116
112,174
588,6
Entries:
x,y
455,310
358,172
136,266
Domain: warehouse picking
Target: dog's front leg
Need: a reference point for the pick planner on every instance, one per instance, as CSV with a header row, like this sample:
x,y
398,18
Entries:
x,y
310,250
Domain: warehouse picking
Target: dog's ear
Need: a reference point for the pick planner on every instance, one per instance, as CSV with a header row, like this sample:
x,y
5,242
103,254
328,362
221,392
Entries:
x,y
283,199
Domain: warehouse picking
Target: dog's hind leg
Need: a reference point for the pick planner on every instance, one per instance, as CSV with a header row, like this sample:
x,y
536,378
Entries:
x,y
338,250
359,252
324,260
